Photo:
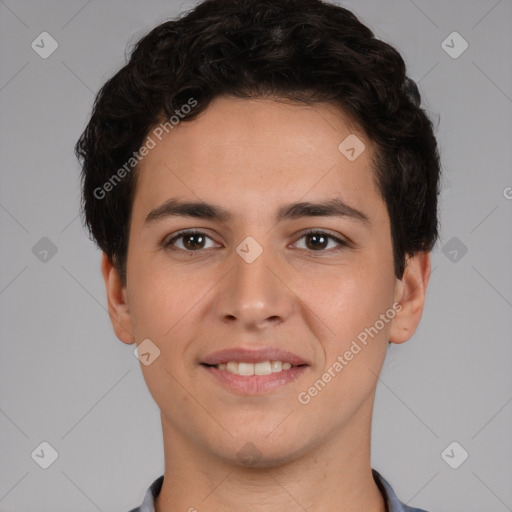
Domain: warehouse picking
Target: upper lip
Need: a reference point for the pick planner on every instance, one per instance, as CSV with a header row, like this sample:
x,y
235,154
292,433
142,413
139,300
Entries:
x,y
253,355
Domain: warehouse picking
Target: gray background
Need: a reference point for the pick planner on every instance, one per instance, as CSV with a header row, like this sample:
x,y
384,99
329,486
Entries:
x,y
67,380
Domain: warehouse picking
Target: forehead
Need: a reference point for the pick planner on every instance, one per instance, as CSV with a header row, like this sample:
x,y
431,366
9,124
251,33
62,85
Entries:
x,y
254,154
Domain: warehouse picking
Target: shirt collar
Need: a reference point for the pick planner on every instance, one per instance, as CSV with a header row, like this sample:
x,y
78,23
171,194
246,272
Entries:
x,y
393,504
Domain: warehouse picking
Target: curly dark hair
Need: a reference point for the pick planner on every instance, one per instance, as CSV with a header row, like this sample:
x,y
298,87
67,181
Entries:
x,y
306,51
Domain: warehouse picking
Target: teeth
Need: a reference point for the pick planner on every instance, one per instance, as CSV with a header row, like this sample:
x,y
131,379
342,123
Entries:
x,y
232,367
248,369
264,368
277,366
245,369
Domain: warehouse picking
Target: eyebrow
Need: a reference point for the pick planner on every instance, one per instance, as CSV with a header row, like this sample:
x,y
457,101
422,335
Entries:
x,y
199,209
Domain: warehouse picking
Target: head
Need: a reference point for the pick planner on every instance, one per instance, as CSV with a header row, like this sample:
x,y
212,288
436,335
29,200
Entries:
x,y
246,105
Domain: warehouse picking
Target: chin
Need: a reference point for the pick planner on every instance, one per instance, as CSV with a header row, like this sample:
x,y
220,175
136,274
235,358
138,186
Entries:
x,y
256,452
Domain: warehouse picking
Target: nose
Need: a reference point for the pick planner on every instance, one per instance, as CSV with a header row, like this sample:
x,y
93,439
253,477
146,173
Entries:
x,y
255,295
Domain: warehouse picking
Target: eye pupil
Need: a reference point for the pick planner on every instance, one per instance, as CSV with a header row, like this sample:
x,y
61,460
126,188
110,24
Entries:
x,y
316,238
198,245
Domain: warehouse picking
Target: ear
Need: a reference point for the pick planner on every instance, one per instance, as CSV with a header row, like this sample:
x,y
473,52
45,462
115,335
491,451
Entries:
x,y
118,309
410,293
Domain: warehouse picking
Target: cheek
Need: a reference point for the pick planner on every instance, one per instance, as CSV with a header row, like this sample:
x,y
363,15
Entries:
x,y
348,300
160,300
162,303
349,304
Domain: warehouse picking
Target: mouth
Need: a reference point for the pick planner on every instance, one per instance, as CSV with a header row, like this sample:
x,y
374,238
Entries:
x,y
254,371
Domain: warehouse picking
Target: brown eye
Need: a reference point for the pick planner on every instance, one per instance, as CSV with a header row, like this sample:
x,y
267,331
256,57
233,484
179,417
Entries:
x,y
318,241
188,241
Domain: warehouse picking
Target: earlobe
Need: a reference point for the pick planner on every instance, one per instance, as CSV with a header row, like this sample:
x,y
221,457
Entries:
x,y
410,294
118,308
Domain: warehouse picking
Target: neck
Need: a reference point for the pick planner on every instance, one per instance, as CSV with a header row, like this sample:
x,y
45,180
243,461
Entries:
x,y
335,476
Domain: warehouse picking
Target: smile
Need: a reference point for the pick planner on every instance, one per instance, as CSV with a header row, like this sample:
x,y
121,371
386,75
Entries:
x,y
248,369
254,370
252,383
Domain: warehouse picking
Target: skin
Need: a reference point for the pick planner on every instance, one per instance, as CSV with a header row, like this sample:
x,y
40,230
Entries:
x,y
251,157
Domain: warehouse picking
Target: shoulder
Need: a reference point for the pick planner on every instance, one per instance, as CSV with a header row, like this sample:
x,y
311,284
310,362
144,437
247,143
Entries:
x,y
392,501
148,504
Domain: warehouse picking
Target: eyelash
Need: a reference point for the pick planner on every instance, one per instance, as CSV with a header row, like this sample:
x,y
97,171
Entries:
x,y
342,244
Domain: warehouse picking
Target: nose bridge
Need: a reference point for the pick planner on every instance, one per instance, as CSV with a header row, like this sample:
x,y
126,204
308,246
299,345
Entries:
x,y
254,294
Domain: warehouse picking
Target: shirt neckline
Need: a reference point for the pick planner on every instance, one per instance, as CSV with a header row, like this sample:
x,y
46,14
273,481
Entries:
x,y
393,504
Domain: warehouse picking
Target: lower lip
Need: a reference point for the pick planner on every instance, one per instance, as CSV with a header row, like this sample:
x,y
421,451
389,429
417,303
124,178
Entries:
x,y
255,384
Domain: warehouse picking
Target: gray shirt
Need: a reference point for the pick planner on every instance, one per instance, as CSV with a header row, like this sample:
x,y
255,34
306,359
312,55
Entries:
x,y
392,502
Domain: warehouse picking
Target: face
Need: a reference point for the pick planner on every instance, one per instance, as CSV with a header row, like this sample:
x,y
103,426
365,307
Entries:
x,y
263,280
